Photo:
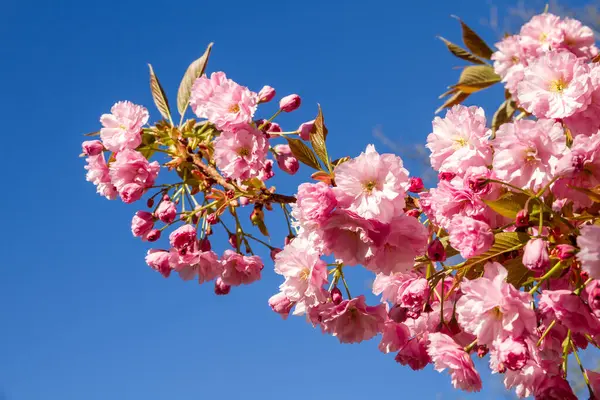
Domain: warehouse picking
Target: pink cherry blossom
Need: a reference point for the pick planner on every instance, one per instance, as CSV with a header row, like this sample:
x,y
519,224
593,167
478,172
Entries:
x,y
446,354
578,38
554,388
594,378
132,174
98,174
290,103
527,152
281,304
353,321
459,140
372,185
570,310
239,269
122,127
557,85
414,354
92,147
593,290
141,224
542,33
166,211
535,255
489,307
285,159
315,202
587,121
589,253
241,154
394,336
470,236
506,352
222,101
159,261
510,61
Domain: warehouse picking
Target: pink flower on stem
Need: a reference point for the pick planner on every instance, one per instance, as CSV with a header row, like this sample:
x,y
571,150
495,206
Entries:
x,y
570,310
589,253
132,174
266,94
290,103
470,236
239,269
542,33
535,255
166,211
446,354
414,354
305,128
141,224
159,261
122,127
189,259
285,159
510,61
222,101
509,353
557,85
593,290
372,185
98,174
393,337
281,304
92,147
315,203
578,38
587,122
241,154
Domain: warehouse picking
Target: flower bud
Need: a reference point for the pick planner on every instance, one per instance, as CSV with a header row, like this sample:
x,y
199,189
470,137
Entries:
x,y
478,184
233,240
142,223
305,128
243,200
563,251
416,185
522,219
290,103
446,176
92,147
266,94
166,198
436,251
150,202
593,290
535,256
212,218
398,314
153,235
285,159
336,296
274,128
221,288
274,253
281,304
413,213
205,245
166,212
482,350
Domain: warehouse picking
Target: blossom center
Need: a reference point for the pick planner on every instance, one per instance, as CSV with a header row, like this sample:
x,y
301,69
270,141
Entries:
x,y
558,85
304,274
243,151
369,186
234,108
460,142
543,37
515,60
496,313
531,155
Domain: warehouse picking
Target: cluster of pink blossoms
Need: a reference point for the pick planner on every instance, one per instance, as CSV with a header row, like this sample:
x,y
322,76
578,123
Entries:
x,y
500,259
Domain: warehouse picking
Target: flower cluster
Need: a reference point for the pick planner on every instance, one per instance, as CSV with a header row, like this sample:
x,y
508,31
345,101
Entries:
x,y
500,258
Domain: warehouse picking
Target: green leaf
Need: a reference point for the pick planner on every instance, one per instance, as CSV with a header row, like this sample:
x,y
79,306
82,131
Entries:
x,y
474,43
518,274
318,135
593,194
504,114
461,53
195,70
476,77
303,153
158,95
458,98
339,161
508,205
504,242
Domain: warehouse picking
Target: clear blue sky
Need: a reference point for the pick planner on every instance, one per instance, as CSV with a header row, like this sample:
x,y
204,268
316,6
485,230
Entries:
x,y
81,315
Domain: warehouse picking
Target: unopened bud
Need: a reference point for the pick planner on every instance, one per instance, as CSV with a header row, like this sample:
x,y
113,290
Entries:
x,y
522,219
221,288
436,251
416,185
535,255
212,218
233,241
243,201
446,176
274,253
150,202
593,290
285,159
281,304
266,94
205,245
563,251
153,235
305,128
336,296
290,103
92,147
166,197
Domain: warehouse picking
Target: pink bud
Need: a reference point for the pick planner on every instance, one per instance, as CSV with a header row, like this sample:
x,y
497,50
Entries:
x,y
212,219
153,235
478,184
535,256
563,251
233,240
243,201
142,223
416,185
285,159
336,296
221,288
593,290
92,147
436,251
398,314
305,129
150,202
166,198
274,253
205,245
446,176
413,213
166,212
482,350
290,103
522,219
266,94
281,304
274,127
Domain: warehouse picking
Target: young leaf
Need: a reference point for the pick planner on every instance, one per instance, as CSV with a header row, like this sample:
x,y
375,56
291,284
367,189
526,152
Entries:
x,y
158,94
458,98
461,53
504,243
195,70
303,153
517,272
318,135
474,43
593,194
508,205
477,77
504,114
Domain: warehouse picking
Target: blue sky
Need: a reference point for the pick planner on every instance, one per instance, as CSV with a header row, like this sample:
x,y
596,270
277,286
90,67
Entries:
x,y
82,316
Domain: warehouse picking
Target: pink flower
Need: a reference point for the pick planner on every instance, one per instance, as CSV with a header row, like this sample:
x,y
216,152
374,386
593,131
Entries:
x,y
470,236
527,152
587,122
556,85
414,354
541,33
406,240
222,101
132,174
554,388
239,269
535,256
92,147
166,211
570,310
315,203
159,261
508,353
436,251
393,337
372,185
589,254
290,103
241,154
98,174
594,378
446,354
305,128
415,185
489,307
593,290
510,61
578,38
281,304
285,159
266,94
122,127
221,289
305,274
141,224
460,140
353,321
